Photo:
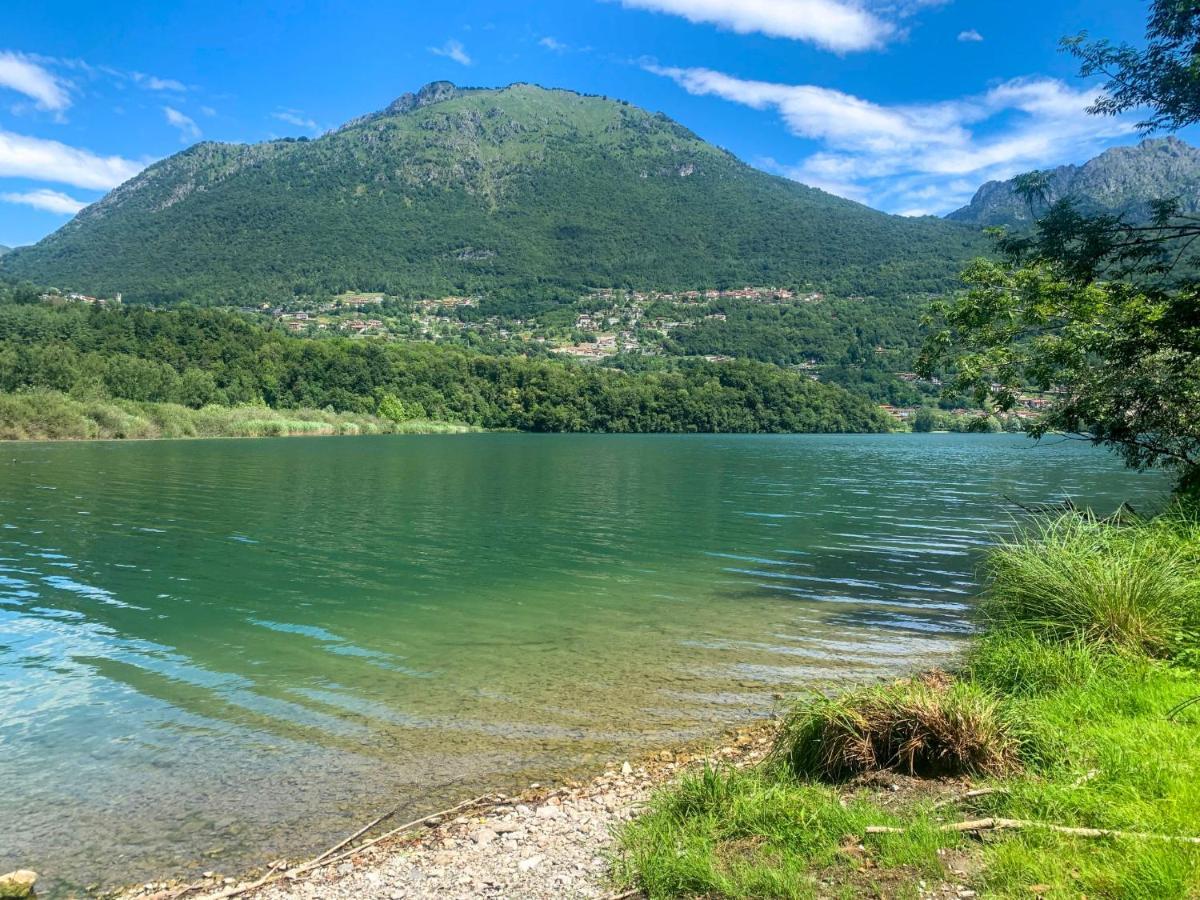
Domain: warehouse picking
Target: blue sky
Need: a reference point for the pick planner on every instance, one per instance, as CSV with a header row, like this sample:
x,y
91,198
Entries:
x,y
907,105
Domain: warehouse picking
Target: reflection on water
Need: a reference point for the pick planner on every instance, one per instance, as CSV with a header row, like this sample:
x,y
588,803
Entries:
x,y
216,652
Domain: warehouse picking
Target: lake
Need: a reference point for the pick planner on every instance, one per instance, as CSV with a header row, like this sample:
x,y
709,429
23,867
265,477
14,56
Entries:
x,y
215,653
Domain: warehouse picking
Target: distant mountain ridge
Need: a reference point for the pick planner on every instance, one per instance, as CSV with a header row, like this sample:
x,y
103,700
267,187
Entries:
x,y
1120,180
522,189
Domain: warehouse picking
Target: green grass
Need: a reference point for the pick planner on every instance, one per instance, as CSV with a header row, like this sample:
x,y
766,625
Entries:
x,y
733,833
1132,587
1082,682
50,415
1016,664
1147,779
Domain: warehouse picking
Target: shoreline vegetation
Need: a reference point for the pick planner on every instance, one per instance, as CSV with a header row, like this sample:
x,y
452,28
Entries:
x,y
1058,759
44,415
198,358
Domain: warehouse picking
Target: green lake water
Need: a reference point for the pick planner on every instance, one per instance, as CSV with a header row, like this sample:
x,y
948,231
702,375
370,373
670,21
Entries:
x,y
215,653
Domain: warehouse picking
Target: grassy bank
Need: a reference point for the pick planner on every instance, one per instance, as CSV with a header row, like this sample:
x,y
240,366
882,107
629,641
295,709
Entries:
x,y
50,415
1069,712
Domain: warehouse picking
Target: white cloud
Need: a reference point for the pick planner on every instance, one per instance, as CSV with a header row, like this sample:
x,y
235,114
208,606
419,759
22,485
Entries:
x,y
454,50
554,44
970,36
838,25
121,77
44,198
208,111
43,160
23,75
154,83
188,129
297,118
922,156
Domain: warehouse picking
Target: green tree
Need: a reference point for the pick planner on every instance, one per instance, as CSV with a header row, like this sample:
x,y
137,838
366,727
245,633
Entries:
x,y
1102,312
196,388
1164,76
924,420
390,407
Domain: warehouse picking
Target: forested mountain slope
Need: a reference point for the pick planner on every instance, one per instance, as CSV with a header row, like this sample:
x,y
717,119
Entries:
x,y
520,191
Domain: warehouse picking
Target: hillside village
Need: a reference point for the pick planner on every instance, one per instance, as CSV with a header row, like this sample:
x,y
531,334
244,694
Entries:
x,y
604,327
599,325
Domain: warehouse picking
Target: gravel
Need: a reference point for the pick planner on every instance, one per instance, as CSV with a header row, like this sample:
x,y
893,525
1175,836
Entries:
x,y
543,844
553,845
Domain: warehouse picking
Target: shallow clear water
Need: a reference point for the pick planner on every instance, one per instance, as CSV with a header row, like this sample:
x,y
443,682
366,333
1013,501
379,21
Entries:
x,y
213,653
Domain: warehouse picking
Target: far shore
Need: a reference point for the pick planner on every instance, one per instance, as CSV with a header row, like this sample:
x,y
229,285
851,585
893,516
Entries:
x,y
45,415
436,428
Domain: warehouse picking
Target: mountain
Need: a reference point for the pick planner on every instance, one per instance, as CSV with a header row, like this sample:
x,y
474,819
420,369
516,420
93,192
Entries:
x,y
1121,180
4,249
520,190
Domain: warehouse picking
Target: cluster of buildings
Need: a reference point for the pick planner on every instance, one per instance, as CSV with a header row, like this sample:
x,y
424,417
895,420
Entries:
x,y
55,298
914,378
363,326
356,301
444,303
899,413
298,321
1028,407
757,294
604,346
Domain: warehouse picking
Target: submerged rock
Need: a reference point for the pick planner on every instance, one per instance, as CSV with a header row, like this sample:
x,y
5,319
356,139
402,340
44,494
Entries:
x,y
17,885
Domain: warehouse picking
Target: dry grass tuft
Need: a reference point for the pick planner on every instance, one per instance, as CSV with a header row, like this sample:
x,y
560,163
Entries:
x,y
927,726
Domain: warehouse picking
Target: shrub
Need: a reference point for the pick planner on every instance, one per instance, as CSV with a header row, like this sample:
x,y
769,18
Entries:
x,y
1132,587
919,726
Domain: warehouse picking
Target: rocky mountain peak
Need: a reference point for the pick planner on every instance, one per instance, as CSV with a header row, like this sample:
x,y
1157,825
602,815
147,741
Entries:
x,y
434,92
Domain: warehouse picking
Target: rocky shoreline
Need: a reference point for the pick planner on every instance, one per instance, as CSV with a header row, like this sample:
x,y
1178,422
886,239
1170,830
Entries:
x,y
547,842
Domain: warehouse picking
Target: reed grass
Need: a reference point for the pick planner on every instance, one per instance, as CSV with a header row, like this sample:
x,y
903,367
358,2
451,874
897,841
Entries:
x,y
51,415
1131,587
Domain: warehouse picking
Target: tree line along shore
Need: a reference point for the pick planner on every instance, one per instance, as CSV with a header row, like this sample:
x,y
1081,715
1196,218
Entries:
x,y
78,371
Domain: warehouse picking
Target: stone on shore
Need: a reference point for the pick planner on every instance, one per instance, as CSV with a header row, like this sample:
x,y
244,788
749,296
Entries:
x,y
17,885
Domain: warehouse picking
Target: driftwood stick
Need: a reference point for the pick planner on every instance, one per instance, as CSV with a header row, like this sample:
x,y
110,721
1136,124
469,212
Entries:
x,y
326,860
993,824
338,846
316,863
969,795
1180,707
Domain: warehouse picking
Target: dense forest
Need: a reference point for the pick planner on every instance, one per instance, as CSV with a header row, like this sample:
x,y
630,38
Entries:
x,y
198,357
523,195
